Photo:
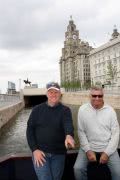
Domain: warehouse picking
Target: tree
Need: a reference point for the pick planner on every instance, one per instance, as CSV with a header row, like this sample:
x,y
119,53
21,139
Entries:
x,y
112,72
73,85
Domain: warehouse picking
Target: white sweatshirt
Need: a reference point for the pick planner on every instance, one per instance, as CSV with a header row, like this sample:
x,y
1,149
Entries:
x,y
98,129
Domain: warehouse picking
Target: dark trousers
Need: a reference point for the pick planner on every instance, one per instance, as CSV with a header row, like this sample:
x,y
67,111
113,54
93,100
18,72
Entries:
x,y
97,171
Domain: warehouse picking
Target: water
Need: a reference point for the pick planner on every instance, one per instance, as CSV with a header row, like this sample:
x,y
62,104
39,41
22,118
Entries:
x,y
13,135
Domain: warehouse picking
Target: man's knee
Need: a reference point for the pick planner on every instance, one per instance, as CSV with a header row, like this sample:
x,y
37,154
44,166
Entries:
x,y
80,173
79,170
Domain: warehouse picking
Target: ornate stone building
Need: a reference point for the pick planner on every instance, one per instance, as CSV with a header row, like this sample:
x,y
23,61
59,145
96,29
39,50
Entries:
x,y
105,62
74,62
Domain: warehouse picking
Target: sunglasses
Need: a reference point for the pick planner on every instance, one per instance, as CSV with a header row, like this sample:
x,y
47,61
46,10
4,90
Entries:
x,y
99,96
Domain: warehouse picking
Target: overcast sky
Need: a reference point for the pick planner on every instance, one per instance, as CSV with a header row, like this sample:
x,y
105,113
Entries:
x,y
32,34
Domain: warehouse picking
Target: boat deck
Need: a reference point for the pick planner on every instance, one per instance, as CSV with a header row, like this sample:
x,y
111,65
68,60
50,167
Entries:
x,y
20,167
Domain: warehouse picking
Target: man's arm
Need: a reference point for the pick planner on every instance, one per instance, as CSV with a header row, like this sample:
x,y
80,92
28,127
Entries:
x,y
68,127
115,133
83,138
39,156
81,133
30,130
68,122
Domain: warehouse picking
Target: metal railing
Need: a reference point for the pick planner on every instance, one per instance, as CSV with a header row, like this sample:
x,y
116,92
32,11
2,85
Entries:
x,y
106,91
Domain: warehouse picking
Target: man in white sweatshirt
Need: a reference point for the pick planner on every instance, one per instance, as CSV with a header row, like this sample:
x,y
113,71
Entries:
x,y
98,131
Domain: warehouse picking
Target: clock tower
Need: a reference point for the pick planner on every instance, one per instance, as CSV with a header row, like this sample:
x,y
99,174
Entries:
x,y
71,32
74,55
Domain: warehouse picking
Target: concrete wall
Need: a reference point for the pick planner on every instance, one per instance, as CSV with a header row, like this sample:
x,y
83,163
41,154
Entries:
x,y
9,112
29,91
81,98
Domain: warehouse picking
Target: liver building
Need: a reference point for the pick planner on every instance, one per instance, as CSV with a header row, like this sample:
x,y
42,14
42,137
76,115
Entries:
x,y
74,62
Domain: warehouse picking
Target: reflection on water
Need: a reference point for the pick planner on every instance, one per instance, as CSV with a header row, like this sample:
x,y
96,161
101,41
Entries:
x,y
13,135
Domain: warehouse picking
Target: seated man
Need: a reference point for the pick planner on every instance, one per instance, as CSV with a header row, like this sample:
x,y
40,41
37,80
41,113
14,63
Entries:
x,y
98,131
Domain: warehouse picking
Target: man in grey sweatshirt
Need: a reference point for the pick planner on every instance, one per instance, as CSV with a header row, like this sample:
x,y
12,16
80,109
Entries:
x,y
98,132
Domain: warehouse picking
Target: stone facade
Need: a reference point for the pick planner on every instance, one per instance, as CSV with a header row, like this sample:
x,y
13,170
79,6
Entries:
x,y
74,62
105,62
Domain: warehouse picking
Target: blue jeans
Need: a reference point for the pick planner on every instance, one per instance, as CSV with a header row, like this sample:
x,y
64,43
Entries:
x,y
52,169
80,167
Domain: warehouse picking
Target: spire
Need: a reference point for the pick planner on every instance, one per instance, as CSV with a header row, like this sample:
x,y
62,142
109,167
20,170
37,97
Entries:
x,y
71,26
71,17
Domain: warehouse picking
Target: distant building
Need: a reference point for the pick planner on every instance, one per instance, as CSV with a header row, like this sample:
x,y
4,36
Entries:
x,y
11,88
34,85
105,62
74,62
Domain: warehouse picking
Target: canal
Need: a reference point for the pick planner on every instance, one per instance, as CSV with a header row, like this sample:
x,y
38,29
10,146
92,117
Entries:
x,y
13,135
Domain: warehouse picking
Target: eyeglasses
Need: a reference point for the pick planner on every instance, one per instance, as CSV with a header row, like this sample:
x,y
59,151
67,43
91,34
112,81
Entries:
x,y
94,96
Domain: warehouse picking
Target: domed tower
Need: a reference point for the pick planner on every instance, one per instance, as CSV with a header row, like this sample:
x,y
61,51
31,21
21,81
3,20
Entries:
x,y
115,33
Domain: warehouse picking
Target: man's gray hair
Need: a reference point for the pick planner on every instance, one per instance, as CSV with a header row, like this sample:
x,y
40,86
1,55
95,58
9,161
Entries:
x,y
96,88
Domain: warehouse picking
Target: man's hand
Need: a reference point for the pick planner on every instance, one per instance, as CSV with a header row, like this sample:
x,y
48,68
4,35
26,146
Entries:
x,y
104,158
91,155
39,157
69,142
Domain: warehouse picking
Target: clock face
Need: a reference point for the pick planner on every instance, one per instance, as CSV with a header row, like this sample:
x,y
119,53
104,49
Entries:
x,y
74,36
